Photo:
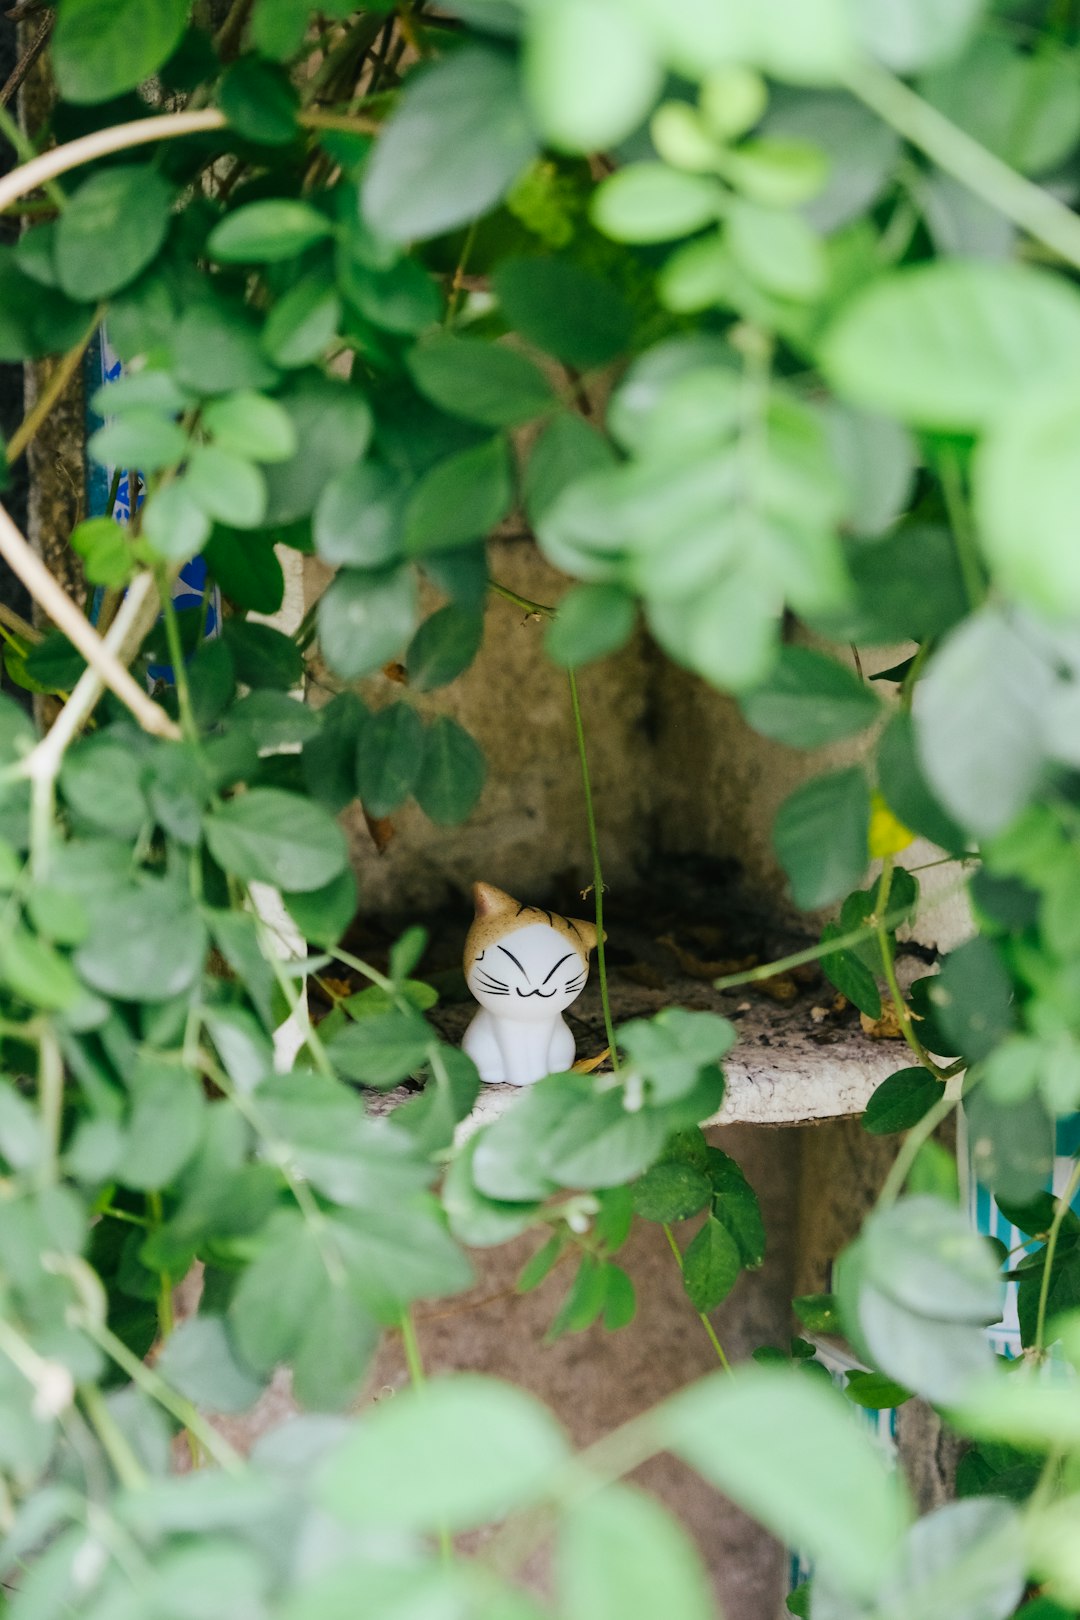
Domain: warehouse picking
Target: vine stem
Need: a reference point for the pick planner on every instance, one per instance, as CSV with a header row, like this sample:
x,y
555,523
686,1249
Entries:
x,y
952,487
704,1320
953,150
51,596
811,953
54,387
40,170
598,875
909,1150
176,653
129,1470
1064,1204
152,1384
418,1378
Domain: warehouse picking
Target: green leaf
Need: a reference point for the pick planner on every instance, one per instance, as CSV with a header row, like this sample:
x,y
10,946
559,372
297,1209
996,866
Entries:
x,y
146,942
599,1142
323,915
541,1264
1025,493
382,1050
711,1265
35,972
366,618
900,1102
103,47
566,449
140,438
444,646
620,1298
111,230
735,1204
904,786
269,836
592,622
482,381
166,1125
401,1468
648,202
216,350
460,499
1012,1144
565,309
452,773
360,517
809,700
973,999
247,569
329,759
585,1299
670,1192
267,231
671,1049
174,523
263,656
784,1447
105,550
34,320
101,780
620,1556
917,35
225,487
259,102
874,1392
332,424
250,425
389,755
818,1313
474,1219
850,974
198,1359
950,345
458,139
820,835
576,108
979,722
777,249
302,324
402,299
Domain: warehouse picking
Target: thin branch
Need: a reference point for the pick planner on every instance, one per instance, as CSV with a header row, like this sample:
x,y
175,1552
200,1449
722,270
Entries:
x,y
51,393
953,150
27,60
137,613
38,171
50,595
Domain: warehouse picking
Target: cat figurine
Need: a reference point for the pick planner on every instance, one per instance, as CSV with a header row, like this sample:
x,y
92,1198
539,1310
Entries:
x,y
524,966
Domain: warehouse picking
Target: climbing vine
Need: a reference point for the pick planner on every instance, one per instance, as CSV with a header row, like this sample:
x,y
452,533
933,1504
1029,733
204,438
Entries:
x,y
750,315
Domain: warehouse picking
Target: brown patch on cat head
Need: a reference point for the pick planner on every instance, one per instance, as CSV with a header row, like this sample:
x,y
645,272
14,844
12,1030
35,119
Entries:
x,y
498,915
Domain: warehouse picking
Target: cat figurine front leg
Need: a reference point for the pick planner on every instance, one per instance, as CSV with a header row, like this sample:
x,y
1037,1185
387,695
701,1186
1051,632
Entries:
x,y
525,966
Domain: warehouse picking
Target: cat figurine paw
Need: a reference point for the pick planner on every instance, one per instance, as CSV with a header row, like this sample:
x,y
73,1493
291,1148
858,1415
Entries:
x,y
525,966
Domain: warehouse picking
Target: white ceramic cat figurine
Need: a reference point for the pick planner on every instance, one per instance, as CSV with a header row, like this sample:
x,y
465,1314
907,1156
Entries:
x,y
524,966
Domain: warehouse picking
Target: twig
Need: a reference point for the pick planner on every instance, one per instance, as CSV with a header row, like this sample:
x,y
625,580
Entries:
x,y
137,613
28,58
53,390
40,170
50,595
953,150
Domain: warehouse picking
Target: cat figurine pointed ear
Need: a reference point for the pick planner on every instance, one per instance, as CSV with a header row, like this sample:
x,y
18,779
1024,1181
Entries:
x,y
525,966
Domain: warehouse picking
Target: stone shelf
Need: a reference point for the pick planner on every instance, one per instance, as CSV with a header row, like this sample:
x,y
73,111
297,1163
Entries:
x,y
790,1065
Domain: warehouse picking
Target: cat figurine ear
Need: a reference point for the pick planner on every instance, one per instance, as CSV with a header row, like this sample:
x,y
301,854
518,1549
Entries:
x,y
525,966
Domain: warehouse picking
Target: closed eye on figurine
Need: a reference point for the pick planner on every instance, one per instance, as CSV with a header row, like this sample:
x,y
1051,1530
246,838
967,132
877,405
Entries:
x,y
542,959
